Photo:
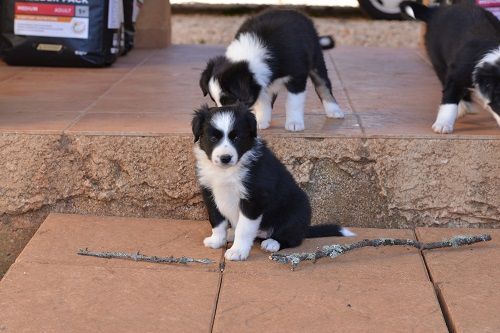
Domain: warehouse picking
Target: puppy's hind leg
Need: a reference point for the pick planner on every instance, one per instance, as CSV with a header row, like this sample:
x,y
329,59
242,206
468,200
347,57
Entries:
x,y
323,87
263,109
270,245
295,103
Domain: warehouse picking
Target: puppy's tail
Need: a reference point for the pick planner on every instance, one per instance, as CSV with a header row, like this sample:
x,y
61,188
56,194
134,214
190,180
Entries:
x,y
328,230
416,11
327,42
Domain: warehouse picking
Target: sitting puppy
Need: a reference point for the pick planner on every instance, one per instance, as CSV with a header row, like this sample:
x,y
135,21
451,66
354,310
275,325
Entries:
x,y
244,185
463,43
275,48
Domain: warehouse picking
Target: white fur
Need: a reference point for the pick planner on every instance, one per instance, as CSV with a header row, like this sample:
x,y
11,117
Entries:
x,y
224,122
410,12
446,117
218,238
226,183
490,58
215,90
270,245
277,85
295,111
244,235
484,102
263,109
346,232
332,110
248,47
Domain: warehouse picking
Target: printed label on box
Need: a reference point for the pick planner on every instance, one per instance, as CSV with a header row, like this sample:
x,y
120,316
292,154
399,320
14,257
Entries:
x,y
51,20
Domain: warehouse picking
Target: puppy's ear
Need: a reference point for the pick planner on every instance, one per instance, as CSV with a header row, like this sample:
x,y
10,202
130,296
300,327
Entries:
x,y
251,121
199,118
205,77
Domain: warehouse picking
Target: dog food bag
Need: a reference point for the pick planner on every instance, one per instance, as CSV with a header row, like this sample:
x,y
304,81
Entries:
x,y
79,33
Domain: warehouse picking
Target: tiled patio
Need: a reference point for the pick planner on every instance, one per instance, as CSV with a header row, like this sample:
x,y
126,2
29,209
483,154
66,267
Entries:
x,y
155,92
387,289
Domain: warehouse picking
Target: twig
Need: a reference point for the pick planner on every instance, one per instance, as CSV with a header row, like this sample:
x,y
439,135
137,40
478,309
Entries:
x,y
140,257
336,250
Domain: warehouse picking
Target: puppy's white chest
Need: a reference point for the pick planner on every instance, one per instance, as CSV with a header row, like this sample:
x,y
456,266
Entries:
x,y
227,198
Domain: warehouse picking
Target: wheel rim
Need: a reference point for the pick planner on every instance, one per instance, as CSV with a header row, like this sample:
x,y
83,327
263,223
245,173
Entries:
x,y
387,6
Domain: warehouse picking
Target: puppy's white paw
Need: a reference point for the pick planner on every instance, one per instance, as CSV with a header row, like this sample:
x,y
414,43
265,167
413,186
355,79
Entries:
x,y
333,110
263,124
442,128
294,125
230,235
270,245
214,242
237,253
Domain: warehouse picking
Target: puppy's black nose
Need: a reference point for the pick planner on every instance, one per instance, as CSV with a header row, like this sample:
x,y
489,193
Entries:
x,y
225,159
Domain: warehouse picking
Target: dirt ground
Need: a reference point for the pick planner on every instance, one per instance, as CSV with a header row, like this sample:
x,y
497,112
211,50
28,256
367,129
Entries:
x,y
219,29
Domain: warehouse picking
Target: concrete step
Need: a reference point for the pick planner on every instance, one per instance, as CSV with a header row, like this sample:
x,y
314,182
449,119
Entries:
x,y
52,289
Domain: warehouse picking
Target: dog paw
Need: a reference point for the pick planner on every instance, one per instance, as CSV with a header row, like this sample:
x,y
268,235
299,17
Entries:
x,y
333,110
294,125
214,242
442,128
237,254
270,245
263,124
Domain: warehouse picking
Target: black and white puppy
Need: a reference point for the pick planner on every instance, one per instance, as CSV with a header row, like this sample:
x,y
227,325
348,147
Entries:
x,y
272,49
246,187
463,44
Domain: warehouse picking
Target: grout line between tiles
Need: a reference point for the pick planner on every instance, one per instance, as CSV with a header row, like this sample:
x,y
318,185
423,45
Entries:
x,y
222,266
125,76
439,296
349,100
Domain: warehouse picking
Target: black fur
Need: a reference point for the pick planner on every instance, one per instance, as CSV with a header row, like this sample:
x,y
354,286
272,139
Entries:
x,y
457,38
272,190
294,49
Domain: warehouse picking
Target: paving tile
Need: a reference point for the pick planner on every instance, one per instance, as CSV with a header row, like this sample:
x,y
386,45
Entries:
x,y
325,303
384,264
467,279
47,122
62,235
67,298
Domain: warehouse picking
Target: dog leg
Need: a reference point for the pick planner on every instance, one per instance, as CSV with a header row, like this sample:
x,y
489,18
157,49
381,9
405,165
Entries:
x,y
270,245
295,111
263,109
323,88
448,111
244,235
218,238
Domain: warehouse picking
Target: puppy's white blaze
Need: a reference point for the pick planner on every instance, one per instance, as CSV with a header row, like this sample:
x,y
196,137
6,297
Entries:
x,y
295,111
346,232
244,235
248,47
332,110
409,12
270,245
446,117
218,238
224,122
262,108
215,90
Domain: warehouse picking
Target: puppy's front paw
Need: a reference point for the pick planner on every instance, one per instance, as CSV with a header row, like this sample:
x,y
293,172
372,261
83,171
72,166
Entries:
x,y
294,125
442,128
237,253
214,242
270,245
263,124
333,110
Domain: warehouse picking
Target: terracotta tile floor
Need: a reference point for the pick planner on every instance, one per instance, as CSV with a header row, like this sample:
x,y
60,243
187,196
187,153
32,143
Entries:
x,y
385,92
387,289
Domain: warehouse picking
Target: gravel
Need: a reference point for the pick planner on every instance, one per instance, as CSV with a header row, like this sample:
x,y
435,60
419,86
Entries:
x,y
219,29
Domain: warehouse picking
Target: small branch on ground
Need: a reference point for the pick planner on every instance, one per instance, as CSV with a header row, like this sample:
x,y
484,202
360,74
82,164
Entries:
x,y
336,250
140,257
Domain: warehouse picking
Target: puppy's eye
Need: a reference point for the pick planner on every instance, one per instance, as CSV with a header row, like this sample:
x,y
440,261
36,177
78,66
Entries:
x,y
236,138
214,139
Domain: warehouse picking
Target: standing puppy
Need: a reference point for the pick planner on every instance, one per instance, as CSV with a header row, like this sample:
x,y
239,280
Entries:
x,y
463,43
245,186
275,48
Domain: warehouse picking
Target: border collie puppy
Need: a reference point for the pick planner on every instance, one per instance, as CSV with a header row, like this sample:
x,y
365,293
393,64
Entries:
x,y
463,43
246,187
272,49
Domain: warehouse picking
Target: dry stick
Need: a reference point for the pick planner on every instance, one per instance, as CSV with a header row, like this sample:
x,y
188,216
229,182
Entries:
x,y
140,257
336,250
